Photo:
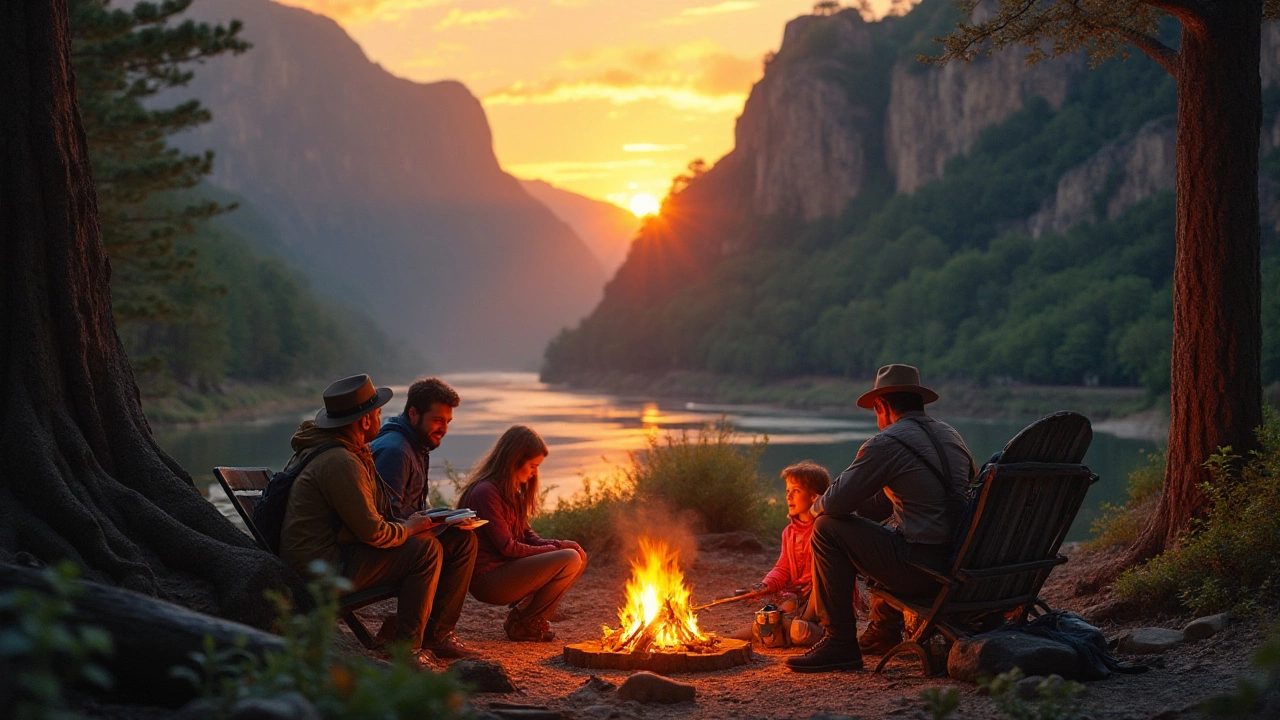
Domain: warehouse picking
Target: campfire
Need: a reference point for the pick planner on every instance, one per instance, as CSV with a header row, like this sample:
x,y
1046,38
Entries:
x,y
658,629
657,615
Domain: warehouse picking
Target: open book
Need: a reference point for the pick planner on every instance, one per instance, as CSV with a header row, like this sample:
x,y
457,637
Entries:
x,y
450,516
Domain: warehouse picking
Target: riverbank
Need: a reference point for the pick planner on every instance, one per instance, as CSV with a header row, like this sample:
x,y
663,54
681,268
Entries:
x,y
231,402
1125,412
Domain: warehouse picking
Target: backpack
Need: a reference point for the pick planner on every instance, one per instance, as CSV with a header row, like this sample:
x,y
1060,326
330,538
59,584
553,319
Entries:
x,y
269,508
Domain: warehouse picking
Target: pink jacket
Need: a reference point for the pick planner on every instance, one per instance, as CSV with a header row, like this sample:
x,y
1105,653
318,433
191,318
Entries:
x,y
794,570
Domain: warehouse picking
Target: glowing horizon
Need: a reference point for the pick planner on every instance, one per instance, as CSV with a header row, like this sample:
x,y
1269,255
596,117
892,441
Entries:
x,y
604,98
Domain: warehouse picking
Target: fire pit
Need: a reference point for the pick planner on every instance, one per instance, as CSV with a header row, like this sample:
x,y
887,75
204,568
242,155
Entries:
x,y
658,630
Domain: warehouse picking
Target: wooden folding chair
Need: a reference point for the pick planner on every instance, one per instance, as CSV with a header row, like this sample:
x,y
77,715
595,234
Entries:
x,y
243,485
1019,518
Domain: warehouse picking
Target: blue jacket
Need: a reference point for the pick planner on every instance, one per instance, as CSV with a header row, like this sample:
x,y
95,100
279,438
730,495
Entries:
x,y
402,461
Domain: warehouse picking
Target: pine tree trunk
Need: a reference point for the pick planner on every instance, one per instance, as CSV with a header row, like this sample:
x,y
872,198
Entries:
x,y
1216,380
81,476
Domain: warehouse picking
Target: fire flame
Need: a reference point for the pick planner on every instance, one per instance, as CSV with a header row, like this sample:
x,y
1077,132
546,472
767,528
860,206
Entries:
x,y
657,615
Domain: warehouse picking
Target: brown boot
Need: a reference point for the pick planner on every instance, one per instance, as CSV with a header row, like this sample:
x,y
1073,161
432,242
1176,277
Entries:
x,y
879,639
521,630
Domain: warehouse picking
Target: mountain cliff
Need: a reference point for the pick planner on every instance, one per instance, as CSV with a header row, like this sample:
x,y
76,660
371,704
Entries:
x,y
987,221
387,192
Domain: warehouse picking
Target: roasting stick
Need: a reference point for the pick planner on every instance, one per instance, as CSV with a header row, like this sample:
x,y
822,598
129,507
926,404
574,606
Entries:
x,y
736,598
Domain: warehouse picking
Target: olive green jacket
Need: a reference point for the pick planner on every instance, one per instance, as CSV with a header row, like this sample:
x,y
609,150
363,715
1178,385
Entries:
x,y
336,500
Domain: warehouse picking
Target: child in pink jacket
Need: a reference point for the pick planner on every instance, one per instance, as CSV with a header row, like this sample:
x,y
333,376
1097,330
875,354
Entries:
x,y
791,579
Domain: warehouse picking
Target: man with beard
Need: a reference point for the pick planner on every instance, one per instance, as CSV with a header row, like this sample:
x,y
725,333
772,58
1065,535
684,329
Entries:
x,y
402,453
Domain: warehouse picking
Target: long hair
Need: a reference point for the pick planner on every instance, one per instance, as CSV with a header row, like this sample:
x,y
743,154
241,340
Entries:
x,y
517,446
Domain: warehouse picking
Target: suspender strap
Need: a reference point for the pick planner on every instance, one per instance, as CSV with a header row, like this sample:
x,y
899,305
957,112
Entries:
x,y
943,475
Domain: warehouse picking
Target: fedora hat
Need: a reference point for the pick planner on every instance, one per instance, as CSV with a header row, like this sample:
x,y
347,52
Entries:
x,y
895,379
350,399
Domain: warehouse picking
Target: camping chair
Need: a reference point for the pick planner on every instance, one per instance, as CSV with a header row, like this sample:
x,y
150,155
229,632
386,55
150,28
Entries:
x,y
243,485
1019,516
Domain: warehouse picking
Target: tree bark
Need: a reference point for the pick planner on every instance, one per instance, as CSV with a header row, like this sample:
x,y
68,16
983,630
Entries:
x,y
1216,384
81,476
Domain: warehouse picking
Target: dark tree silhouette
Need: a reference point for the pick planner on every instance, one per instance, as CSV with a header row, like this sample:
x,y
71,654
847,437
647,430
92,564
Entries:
x,y
1216,383
81,476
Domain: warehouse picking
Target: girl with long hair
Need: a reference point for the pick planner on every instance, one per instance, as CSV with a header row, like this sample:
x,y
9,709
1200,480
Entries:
x,y
514,566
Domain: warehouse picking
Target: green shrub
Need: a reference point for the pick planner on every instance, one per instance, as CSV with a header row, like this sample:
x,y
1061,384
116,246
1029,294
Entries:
x,y
1054,698
708,475
41,653
590,515
1231,558
1120,524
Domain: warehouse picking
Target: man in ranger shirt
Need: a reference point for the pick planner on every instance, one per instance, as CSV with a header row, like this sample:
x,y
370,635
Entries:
x,y
402,453
913,476
338,511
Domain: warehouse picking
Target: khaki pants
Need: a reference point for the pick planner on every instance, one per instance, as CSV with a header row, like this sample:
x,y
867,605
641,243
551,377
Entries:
x,y
414,566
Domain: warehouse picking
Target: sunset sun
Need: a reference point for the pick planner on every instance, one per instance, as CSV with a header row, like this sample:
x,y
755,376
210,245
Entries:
x,y
644,204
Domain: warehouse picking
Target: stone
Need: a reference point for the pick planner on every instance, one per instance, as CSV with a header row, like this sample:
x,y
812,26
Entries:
x,y
990,654
482,676
592,689
289,706
1149,641
1206,627
647,687
738,541
516,711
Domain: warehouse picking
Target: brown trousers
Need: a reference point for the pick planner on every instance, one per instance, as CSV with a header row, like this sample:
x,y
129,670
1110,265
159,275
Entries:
x,y
432,572
536,582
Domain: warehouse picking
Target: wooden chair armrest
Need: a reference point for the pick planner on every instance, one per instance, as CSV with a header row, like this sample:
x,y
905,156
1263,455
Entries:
x,y
944,579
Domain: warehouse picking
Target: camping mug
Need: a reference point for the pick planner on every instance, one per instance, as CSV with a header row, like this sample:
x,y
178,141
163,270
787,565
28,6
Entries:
x,y
768,615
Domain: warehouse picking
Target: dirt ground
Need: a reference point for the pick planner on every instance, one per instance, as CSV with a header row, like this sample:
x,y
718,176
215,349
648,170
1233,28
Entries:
x,y
1175,685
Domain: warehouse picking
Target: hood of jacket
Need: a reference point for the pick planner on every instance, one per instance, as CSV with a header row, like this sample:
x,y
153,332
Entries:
x,y
401,425
309,436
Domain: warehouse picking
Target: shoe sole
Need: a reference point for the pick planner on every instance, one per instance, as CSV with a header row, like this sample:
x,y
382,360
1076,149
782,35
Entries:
x,y
833,667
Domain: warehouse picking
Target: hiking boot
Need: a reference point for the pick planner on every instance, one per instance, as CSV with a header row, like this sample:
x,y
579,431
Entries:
x,y
450,647
424,660
527,630
879,639
387,633
828,655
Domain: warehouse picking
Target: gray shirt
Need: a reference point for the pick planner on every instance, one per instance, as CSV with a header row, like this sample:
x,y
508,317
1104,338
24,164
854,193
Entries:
x,y
887,481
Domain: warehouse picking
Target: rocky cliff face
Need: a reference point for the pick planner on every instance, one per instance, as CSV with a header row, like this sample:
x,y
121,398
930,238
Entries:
x,y
1125,172
387,192
799,131
936,113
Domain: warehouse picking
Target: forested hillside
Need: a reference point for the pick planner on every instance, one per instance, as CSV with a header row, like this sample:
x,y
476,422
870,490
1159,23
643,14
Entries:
x,y
1042,252
199,293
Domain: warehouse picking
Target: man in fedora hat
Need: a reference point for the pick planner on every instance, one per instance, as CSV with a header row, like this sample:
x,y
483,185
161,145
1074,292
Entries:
x,y
895,507
402,454
339,513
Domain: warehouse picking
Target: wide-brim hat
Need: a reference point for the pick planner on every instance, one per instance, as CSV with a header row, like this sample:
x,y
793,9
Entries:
x,y
895,379
350,399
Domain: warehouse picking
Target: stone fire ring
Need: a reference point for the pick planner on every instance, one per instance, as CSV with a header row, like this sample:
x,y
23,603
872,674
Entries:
x,y
729,653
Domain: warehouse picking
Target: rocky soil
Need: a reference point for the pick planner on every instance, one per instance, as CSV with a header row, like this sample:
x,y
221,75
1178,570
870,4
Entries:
x,y
1178,681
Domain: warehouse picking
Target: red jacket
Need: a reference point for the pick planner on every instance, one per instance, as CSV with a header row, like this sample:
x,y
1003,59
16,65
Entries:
x,y
506,537
794,570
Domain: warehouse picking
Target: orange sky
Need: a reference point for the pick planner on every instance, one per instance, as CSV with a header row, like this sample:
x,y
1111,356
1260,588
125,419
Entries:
x,y
608,98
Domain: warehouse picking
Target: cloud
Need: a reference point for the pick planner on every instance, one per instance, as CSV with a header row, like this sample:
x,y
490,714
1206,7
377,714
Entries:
x,y
681,98
355,12
695,77
727,6
477,18
650,148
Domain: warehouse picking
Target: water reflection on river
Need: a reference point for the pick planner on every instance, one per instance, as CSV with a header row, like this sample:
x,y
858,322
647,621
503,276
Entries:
x,y
588,433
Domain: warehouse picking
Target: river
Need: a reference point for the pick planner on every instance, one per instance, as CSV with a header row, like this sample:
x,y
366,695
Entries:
x,y
591,433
